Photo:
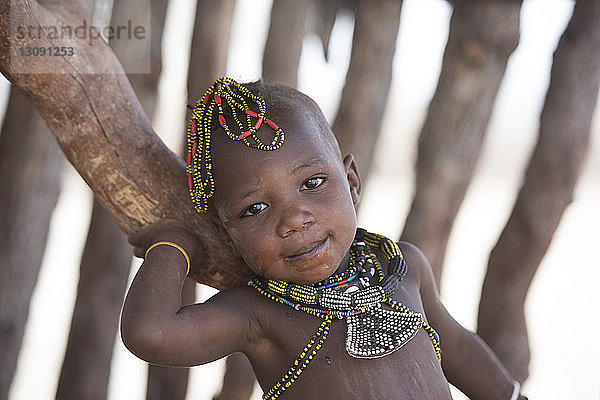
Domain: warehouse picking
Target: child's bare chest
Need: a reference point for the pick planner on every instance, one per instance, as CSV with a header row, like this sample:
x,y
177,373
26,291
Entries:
x,y
411,372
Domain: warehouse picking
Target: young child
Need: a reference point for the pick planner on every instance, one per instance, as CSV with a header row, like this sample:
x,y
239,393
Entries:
x,y
334,311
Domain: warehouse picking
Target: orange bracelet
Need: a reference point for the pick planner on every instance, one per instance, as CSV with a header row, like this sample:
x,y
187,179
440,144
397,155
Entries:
x,y
175,245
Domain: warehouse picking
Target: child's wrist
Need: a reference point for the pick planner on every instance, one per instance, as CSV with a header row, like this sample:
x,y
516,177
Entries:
x,y
174,246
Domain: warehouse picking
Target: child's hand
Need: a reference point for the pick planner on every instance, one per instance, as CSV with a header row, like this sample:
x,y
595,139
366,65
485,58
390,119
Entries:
x,y
170,230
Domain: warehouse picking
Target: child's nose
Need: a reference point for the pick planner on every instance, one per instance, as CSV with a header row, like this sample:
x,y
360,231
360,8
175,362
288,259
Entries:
x,y
293,219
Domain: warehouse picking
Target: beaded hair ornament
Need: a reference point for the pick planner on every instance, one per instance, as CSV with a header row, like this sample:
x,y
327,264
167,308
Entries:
x,y
234,106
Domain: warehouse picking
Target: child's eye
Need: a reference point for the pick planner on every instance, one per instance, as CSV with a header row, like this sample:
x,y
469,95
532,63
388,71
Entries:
x,y
254,209
312,183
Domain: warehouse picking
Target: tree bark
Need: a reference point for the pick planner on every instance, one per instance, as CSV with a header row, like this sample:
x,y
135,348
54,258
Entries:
x,y
90,107
358,121
284,41
482,37
210,45
30,171
103,278
550,179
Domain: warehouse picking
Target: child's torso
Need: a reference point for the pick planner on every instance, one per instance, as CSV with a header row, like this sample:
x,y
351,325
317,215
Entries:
x,y
411,372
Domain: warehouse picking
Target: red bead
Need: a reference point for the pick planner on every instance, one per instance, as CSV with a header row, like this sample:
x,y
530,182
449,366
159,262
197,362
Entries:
x,y
205,99
258,123
251,113
193,127
190,182
194,148
217,99
222,121
189,158
244,135
272,124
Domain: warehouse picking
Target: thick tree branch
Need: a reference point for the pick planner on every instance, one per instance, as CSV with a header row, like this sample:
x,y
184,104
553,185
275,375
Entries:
x,y
94,114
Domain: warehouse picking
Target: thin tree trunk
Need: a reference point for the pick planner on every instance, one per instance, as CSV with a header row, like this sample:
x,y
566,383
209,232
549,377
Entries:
x,y
482,37
210,45
358,121
104,139
162,382
551,176
324,14
284,42
238,382
30,171
103,278
86,366
85,369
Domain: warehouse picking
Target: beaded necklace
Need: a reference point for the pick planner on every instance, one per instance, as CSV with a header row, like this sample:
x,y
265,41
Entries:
x,y
372,331
237,98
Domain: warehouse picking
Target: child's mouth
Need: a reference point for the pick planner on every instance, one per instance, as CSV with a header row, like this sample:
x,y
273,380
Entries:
x,y
308,251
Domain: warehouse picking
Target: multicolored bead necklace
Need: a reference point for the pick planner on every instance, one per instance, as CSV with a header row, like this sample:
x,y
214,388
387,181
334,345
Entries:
x,y
225,92
373,332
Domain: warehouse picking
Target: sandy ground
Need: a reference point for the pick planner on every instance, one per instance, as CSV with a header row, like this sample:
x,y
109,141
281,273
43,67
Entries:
x,y
561,307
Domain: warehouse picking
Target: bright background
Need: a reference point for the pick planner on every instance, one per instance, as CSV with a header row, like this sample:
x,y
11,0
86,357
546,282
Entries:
x,y
562,305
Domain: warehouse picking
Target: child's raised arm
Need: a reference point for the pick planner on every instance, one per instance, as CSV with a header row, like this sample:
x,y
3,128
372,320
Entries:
x,y
467,361
154,324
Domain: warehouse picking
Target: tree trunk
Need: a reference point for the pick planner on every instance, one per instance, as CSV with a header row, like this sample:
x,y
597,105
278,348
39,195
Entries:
x,y
210,45
365,93
84,376
550,179
103,278
90,107
482,37
30,171
238,382
284,42
324,14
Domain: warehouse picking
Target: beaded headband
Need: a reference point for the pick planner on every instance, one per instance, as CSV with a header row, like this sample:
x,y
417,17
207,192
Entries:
x,y
232,104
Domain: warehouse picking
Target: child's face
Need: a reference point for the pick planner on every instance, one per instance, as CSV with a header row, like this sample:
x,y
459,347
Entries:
x,y
289,212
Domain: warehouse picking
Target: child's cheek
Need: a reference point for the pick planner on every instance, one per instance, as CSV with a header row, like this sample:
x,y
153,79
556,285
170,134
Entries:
x,y
251,258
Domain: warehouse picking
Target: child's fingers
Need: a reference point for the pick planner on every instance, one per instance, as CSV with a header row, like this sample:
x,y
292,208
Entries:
x,y
139,252
167,229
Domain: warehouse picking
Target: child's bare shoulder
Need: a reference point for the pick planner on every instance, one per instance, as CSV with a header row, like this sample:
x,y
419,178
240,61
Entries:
x,y
418,266
247,304
239,300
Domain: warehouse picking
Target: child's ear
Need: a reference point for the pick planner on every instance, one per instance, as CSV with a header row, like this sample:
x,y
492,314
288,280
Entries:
x,y
353,178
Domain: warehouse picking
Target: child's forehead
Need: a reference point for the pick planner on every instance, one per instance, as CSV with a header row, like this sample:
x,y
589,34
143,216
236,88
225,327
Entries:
x,y
309,144
303,124
305,143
